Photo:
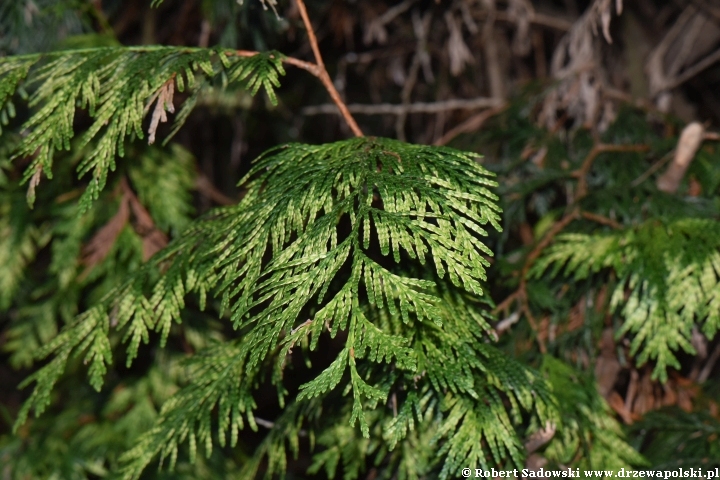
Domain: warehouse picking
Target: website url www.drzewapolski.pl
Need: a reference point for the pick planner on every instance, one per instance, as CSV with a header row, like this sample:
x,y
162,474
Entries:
x,y
493,473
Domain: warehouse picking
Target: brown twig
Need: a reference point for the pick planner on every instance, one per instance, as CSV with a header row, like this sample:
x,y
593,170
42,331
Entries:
x,y
548,21
581,173
296,62
324,77
709,365
708,136
471,124
375,30
323,74
694,70
153,239
103,240
96,8
100,245
552,232
520,295
317,69
206,188
653,168
530,259
492,55
505,304
601,220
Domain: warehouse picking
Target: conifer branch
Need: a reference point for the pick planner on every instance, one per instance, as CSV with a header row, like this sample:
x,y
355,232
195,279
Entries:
x,y
117,86
667,281
286,272
520,295
372,247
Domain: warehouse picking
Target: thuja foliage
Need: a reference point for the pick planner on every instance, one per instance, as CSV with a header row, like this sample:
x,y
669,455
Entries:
x,y
626,259
114,85
306,252
352,282
677,438
667,281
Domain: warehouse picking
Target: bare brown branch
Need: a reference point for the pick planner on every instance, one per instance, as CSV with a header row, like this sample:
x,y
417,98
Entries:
x,y
317,69
520,295
205,187
102,242
601,220
582,172
421,58
472,124
322,71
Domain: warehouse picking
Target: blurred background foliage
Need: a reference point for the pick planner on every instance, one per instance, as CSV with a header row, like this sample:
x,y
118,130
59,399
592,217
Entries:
x,y
577,105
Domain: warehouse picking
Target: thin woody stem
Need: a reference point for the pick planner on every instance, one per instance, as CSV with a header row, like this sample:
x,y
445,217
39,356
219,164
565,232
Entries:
x,y
581,173
316,69
322,73
311,34
520,295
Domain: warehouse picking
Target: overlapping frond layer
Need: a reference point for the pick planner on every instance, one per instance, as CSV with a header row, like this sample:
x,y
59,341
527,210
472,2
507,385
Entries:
x,y
668,280
164,181
317,212
429,434
372,237
587,434
84,255
117,86
305,228
676,438
20,239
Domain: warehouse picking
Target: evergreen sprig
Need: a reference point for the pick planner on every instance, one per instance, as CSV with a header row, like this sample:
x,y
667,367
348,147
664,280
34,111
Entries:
x,y
327,239
587,436
668,280
117,86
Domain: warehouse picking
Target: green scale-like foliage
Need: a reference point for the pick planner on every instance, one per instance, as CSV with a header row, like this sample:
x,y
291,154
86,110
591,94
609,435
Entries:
x,y
117,86
668,280
370,237
679,439
587,435
57,233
